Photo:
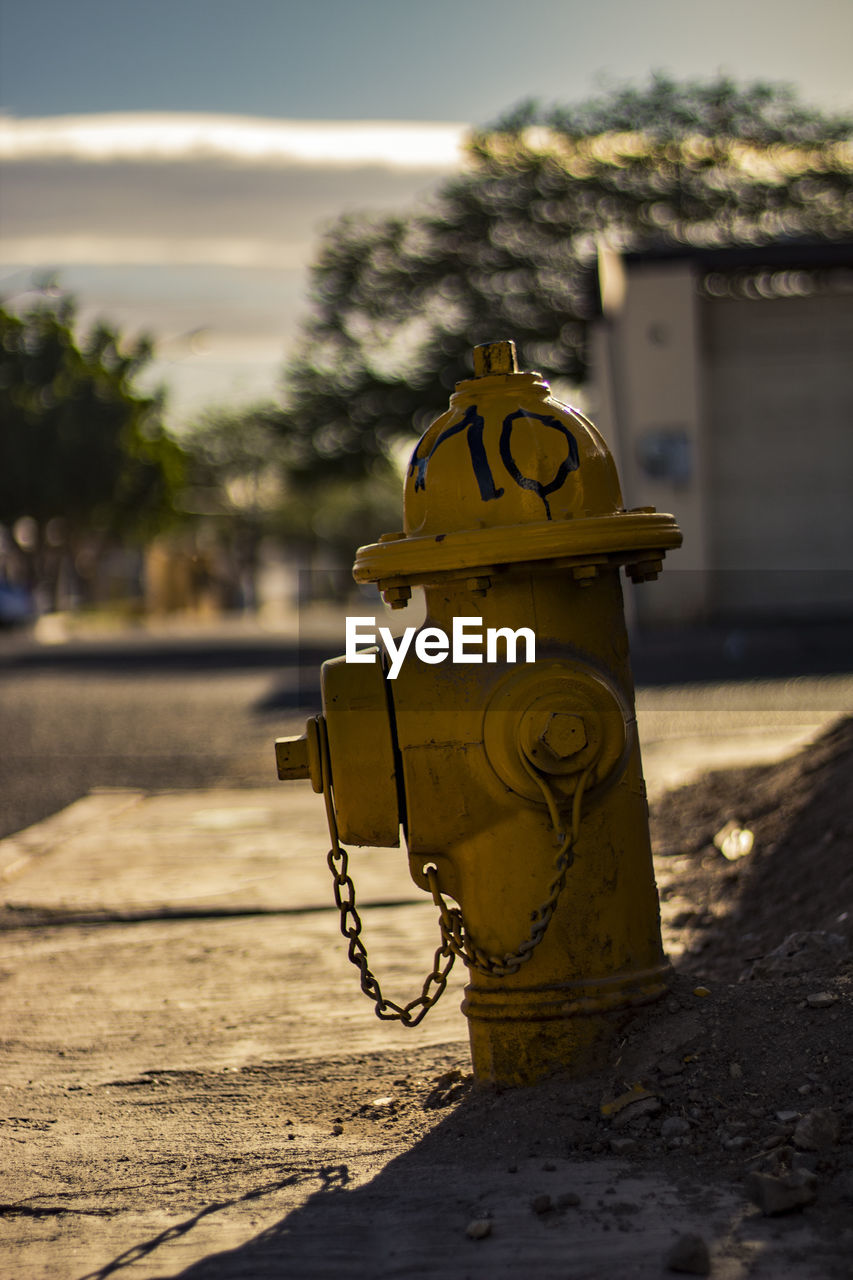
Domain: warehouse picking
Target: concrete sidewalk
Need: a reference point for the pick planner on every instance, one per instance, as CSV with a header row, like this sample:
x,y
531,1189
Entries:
x,y
249,865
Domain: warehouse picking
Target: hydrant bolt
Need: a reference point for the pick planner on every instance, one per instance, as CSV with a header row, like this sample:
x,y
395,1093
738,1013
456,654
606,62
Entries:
x,y
563,735
644,570
397,597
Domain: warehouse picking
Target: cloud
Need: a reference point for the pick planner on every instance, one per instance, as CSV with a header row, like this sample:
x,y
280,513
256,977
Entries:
x,y
175,137
175,224
117,250
58,211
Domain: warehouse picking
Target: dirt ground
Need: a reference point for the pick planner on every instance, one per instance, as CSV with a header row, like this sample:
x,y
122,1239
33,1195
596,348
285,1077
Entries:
x,y
719,1140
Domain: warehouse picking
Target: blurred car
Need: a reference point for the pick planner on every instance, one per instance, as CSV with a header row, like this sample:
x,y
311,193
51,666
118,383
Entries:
x,y
17,607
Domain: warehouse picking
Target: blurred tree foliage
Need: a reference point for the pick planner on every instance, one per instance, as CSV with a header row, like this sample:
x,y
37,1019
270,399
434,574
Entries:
x,y
234,465
505,251
239,485
82,454
235,486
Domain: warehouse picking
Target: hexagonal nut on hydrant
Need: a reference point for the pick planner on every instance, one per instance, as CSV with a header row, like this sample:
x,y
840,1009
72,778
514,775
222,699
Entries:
x,y
564,735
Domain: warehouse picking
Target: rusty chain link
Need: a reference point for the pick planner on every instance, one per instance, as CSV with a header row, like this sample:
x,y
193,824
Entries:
x,y
455,940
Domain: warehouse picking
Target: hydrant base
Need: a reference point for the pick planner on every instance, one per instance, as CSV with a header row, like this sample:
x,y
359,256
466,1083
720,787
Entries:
x,y
520,1036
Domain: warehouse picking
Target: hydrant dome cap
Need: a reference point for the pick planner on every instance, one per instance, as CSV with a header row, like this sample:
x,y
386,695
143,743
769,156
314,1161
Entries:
x,y
506,453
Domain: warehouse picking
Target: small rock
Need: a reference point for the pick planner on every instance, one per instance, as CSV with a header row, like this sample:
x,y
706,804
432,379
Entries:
x,y
568,1200
478,1229
821,1000
636,1111
787,1117
621,1146
681,918
674,1127
783,1194
801,953
734,841
702,992
612,1106
735,1071
689,1255
817,1130
337,1130
806,1160
541,1204
670,1067
549,1167
446,1089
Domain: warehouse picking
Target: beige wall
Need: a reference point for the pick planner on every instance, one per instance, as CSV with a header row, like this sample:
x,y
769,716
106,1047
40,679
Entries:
x,y
646,359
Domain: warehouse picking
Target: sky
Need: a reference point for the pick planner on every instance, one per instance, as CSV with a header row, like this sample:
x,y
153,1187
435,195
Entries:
x,y
175,161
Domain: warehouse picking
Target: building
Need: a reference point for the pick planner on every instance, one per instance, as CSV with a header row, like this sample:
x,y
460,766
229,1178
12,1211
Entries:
x,y
723,380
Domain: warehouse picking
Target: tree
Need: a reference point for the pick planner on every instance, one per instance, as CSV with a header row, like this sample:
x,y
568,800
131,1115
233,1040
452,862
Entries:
x,y
398,302
82,454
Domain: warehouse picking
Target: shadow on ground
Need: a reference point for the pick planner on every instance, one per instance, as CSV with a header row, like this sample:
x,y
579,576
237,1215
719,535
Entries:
x,y
542,1179
551,1212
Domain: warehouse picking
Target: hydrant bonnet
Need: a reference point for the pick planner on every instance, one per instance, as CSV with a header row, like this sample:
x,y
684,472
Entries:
x,y
509,474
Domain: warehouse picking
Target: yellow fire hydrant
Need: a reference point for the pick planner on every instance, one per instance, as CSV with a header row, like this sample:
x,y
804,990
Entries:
x,y
517,782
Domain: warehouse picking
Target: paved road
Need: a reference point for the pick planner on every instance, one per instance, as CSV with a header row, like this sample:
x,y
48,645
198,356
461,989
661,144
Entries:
x,y
141,711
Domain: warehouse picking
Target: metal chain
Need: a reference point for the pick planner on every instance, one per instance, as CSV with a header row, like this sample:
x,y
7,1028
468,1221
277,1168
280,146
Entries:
x,y
338,859
357,952
455,940
453,929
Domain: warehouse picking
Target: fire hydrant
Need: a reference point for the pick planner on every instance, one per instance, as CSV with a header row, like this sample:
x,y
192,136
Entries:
x,y
517,784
